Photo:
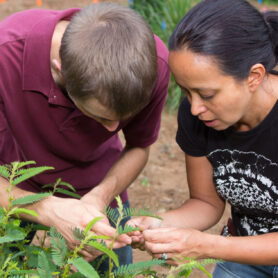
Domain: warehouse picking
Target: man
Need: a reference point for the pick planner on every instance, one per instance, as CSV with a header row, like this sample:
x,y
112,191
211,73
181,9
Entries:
x,y
70,81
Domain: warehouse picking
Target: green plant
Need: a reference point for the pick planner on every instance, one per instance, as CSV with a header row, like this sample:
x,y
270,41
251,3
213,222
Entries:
x,y
163,16
18,259
145,182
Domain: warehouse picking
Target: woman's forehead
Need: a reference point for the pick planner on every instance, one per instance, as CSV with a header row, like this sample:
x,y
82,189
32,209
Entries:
x,y
192,68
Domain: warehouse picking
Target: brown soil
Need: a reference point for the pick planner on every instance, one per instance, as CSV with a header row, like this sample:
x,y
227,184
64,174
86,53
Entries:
x,y
162,185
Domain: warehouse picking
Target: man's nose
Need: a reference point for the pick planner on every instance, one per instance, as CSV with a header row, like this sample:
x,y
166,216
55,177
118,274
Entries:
x,y
111,126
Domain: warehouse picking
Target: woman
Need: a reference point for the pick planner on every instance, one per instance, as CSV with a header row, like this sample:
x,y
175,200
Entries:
x,y
222,55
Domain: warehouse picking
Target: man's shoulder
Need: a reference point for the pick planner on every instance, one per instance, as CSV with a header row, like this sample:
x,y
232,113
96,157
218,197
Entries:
x,y
18,25
162,51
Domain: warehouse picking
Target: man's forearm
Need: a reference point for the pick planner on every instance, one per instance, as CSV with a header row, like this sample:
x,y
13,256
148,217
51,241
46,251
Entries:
x,y
121,175
16,193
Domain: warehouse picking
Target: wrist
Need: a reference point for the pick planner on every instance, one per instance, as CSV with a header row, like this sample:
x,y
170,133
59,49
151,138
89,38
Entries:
x,y
44,210
213,246
96,200
103,194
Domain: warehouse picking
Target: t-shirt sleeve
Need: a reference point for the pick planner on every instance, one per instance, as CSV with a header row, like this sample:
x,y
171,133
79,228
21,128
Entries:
x,y
143,129
192,133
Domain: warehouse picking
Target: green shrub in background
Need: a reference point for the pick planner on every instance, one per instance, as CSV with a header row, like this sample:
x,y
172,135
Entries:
x,y
163,16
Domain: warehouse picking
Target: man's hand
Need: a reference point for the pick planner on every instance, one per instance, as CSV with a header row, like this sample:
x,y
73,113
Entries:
x,y
99,228
65,214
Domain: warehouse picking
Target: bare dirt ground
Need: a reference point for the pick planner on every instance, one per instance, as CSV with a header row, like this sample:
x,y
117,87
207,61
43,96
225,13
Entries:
x,y
162,185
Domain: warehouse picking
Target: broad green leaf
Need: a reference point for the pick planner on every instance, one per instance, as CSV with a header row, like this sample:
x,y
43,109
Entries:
x,y
23,210
77,275
36,171
21,253
40,227
68,185
110,253
91,224
12,235
30,199
84,268
67,192
20,164
94,237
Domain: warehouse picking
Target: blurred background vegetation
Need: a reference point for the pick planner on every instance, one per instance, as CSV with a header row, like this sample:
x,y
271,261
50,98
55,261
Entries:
x,y
163,16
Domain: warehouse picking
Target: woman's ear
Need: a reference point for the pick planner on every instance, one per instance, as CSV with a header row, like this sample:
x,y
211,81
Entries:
x,y
256,76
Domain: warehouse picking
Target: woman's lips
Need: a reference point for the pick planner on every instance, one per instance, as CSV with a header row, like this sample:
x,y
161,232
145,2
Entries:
x,y
209,123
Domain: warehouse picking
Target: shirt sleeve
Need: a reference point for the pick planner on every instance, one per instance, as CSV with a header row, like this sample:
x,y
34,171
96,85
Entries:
x,y
192,133
143,129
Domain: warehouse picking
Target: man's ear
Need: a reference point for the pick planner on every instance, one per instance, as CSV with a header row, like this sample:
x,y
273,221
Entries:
x,y
256,76
56,70
56,66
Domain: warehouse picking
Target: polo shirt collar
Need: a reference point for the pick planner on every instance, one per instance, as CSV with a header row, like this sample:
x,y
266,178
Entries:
x,y
36,58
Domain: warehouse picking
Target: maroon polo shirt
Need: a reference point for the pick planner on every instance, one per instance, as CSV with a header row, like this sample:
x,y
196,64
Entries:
x,y
38,122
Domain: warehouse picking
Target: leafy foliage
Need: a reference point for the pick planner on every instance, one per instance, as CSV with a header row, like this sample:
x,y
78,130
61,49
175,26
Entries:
x,y
163,16
136,267
18,259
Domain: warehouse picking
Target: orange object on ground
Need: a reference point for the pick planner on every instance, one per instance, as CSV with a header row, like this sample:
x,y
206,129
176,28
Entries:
x,y
2,1
95,1
39,3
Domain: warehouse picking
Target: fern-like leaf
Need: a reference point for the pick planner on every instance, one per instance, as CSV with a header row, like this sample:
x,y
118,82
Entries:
x,y
4,172
84,268
35,171
192,264
127,229
112,214
120,206
29,199
43,265
23,272
78,234
101,247
133,268
129,212
59,247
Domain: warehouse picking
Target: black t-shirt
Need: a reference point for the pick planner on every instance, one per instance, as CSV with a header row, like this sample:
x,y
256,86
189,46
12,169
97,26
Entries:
x,y
245,169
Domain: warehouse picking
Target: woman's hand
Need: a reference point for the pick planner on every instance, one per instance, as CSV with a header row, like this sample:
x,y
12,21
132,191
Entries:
x,y
177,243
142,223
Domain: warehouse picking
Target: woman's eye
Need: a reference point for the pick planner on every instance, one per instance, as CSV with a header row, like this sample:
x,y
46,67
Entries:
x,y
207,97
